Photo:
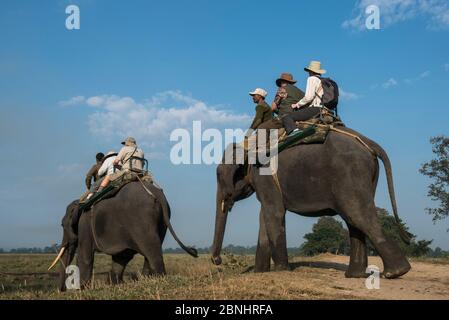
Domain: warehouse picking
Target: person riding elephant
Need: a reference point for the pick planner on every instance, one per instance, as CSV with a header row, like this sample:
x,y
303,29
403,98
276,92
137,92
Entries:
x,y
286,95
310,105
263,114
263,110
128,159
92,174
338,177
135,221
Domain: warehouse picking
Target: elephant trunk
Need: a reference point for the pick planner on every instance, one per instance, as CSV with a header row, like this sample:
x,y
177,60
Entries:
x,y
221,217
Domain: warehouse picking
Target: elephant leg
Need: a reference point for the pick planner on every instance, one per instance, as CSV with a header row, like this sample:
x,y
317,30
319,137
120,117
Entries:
x,y
358,261
152,251
394,260
85,261
263,252
85,251
146,271
119,262
275,225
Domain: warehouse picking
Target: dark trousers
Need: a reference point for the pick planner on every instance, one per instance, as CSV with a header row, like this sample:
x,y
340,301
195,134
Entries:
x,y
301,115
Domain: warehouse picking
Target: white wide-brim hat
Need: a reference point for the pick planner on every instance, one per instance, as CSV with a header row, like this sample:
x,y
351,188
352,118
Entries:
x,y
260,92
315,66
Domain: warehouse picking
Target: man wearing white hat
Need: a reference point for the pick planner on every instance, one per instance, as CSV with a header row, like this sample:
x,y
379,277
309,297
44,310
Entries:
x,y
263,110
263,114
310,105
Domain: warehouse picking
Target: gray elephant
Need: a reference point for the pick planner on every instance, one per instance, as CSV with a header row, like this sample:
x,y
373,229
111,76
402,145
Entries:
x,y
130,222
338,177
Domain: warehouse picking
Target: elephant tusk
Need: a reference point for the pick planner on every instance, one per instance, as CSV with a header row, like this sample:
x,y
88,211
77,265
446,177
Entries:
x,y
57,258
222,206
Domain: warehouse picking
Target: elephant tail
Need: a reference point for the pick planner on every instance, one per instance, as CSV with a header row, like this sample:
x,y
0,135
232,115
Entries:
x,y
160,196
382,155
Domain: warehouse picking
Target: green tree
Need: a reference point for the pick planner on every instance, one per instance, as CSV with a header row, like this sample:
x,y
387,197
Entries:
x,y
438,171
328,235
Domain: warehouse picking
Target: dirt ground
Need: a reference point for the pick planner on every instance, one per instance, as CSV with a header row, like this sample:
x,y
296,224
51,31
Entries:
x,y
320,277
426,280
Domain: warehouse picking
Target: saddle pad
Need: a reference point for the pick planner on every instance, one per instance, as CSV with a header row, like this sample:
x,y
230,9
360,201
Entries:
x,y
113,188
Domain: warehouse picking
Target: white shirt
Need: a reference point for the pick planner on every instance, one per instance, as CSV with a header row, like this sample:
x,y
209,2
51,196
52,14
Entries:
x,y
107,167
314,92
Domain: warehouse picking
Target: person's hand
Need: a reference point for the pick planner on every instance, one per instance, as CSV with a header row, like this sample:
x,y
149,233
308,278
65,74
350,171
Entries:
x,y
295,105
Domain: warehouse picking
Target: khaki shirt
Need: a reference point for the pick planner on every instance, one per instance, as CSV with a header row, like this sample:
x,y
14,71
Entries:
x,y
93,173
126,153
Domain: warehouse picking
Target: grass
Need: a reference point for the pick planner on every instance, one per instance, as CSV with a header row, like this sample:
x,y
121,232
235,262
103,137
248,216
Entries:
x,y
26,277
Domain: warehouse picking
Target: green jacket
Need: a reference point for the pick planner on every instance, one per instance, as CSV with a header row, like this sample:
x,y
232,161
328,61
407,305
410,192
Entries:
x,y
263,113
293,96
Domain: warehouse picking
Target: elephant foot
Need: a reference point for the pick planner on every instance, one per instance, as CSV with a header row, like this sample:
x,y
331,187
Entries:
x,y
261,269
390,273
356,274
282,267
216,260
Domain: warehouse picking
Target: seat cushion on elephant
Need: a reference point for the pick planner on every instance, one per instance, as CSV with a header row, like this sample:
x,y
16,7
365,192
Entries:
x,y
321,124
319,136
115,186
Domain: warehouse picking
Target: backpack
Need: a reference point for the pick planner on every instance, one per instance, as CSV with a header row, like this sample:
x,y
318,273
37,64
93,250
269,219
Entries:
x,y
330,93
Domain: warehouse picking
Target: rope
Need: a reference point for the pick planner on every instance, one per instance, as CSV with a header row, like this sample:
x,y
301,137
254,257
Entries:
x,y
92,225
276,180
248,180
247,177
332,128
146,189
353,136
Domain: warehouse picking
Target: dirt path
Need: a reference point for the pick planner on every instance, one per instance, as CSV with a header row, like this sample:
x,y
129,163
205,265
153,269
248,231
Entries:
x,y
424,281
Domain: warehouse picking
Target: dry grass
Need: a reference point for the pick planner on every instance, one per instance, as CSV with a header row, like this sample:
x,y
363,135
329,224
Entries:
x,y
320,277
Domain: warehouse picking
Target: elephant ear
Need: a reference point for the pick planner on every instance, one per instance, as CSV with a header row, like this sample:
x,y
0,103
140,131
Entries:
x,y
226,175
70,223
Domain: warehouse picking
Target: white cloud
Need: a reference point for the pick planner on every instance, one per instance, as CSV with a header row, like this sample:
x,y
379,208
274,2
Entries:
x,y
72,101
390,83
436,13
151,121
423,75
348,95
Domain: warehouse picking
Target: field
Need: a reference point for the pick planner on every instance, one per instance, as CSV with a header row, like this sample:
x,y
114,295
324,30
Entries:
x,y
320,277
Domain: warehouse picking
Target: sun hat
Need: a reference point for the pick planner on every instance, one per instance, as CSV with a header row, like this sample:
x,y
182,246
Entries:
x,y
315,66
129,141
260,92
288,77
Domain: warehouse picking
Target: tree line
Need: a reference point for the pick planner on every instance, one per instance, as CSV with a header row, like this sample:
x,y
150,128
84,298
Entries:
x,y
329,236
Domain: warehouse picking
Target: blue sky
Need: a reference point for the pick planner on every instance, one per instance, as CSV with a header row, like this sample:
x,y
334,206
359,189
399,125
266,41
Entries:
x,y
144,68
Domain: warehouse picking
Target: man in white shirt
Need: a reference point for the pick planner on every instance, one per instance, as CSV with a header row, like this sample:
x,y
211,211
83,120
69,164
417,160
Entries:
x,y
104,173
125,159
107,168
310,105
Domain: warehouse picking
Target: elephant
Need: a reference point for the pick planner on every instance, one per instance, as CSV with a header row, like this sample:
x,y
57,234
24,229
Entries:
x,y
135,220
337,177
